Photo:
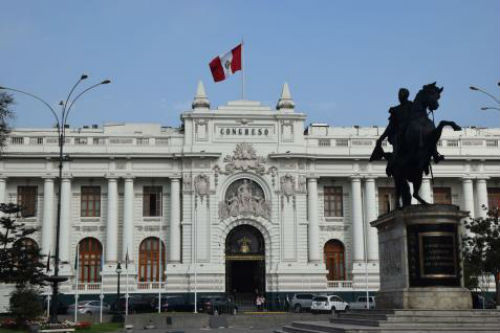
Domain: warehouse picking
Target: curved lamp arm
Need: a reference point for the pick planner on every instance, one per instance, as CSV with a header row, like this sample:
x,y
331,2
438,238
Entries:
x,y
83,77
485,92
65,117
36,97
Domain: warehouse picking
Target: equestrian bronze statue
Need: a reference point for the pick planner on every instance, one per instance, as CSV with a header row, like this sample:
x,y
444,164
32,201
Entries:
x,y
414,139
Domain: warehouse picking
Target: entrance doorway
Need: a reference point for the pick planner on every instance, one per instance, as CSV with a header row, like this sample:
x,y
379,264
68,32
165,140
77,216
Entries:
x,y
245,265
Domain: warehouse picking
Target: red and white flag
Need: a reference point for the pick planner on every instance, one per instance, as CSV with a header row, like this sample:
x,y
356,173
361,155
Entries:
x,y
226,65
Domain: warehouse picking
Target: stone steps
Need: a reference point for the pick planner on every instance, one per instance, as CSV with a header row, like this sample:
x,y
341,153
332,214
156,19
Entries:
x,y
408,321
325,327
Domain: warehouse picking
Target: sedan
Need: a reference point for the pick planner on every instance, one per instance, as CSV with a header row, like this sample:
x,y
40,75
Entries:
x,y
89,307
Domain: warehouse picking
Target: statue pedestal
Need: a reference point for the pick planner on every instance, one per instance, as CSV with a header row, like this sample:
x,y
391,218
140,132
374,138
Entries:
x,y
419,259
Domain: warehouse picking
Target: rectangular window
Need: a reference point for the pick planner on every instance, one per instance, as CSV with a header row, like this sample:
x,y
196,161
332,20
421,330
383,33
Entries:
x,y
152,201
386,200
26,198
90,201
333,201
442,195
493,197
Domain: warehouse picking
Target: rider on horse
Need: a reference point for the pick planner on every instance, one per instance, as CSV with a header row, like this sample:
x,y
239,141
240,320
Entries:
x,y
414,138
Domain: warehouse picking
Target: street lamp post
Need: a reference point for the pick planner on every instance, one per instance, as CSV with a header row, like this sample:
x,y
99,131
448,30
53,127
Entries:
x,y
61,122
497,101
118,316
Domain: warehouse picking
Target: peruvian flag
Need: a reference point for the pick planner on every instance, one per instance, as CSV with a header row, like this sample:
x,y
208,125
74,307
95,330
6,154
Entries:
x,y
226,65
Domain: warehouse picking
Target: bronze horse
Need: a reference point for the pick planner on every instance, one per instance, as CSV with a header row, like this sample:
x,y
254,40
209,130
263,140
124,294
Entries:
x,y
418,141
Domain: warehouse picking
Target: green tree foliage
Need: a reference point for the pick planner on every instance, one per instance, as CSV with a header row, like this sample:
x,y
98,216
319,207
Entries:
x,y
20,262
25,305
482,248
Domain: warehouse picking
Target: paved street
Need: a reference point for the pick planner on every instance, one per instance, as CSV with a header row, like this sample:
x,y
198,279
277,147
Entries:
x,y
204,330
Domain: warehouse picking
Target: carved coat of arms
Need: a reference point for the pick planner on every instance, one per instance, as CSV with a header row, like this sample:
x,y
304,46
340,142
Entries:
x,y
244,159
202,185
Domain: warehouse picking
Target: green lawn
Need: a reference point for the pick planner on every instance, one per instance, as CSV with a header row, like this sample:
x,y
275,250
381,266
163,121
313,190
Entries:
x,y
96,328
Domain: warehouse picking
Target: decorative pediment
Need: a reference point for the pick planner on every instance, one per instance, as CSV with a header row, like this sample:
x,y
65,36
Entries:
x,y
244,159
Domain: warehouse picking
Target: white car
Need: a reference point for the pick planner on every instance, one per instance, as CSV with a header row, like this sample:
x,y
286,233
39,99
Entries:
x,y
328,303
360,303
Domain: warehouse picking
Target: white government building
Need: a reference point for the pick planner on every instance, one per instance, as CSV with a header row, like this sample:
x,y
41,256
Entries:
x,y
240,198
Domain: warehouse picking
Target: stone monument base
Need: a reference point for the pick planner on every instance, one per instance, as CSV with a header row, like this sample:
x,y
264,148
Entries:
x,y
426,298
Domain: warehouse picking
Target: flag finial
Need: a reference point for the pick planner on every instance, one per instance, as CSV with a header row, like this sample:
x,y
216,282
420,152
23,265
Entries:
x,y
200,100
285,102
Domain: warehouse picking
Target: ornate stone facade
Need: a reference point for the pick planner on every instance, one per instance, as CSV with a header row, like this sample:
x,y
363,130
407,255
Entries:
x,y
238,164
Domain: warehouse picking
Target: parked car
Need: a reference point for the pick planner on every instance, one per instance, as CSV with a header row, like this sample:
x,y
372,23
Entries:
x,y
301,302
328,303
89,307
172,303
136,304
360,303
217,305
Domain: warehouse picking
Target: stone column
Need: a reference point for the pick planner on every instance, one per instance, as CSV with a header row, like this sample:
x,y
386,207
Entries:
x,y
128,219
313,231
357,220
66,222
48,216
468,193
112,223
175,221
371,215
426,190
482,197
3,182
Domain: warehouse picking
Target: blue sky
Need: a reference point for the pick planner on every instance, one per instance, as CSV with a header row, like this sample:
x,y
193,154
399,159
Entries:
x,y
344,60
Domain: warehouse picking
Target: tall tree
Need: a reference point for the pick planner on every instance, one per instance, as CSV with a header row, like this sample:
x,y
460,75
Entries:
x,y
482,248
20,260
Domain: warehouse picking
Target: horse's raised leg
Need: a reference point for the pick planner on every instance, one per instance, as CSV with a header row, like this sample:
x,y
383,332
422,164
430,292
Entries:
x,y
436,135
417,183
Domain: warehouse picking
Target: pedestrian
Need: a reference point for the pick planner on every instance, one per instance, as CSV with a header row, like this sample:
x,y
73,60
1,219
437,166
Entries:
x,y
258,302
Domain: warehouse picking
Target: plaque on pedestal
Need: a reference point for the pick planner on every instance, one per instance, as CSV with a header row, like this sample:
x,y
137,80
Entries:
x,y
419,259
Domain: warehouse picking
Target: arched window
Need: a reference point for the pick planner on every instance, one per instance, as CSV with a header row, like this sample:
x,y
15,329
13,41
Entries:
x,y
90,252
28,247
334,260
27,243
149,260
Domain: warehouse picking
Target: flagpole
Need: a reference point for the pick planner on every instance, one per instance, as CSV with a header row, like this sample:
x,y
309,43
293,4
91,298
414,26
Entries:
x,y
77,271
242,72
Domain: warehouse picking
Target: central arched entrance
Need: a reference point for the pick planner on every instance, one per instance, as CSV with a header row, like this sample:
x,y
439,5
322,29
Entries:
x,y
245,263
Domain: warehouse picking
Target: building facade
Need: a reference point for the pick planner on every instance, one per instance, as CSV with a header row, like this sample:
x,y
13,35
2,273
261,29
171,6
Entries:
x,y
240,198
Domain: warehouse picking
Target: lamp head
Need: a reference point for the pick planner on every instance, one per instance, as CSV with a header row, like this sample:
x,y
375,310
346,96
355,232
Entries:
x,y
473,88
106,81
61,103
84,76
484,108
118,268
